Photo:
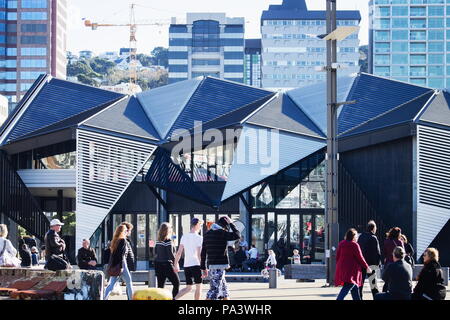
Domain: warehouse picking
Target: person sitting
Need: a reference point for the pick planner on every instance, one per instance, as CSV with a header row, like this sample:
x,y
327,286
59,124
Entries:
x,y
250,263
240,257
271,261
34,256
431,280
296,259
398,278
86,257
25,253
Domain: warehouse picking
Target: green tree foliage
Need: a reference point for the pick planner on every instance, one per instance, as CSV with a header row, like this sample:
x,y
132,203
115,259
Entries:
x,y
160,56
363,59
144,59
86,79
102,66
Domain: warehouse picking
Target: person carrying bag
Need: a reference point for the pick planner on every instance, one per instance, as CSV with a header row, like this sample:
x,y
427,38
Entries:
x,y
7,252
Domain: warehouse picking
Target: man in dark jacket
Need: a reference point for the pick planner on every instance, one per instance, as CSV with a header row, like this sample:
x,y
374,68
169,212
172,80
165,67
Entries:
x,y
431,284
55,247
214,249
86,257
370,248
398,278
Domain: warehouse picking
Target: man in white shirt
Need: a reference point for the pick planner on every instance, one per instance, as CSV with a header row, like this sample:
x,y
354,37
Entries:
x,y
191,244
252,259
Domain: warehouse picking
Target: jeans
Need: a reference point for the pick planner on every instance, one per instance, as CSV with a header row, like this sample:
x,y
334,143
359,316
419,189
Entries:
x,y
353,288
249,264
125,275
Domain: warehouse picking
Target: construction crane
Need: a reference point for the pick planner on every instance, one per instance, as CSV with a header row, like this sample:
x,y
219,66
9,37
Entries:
x,y
133,41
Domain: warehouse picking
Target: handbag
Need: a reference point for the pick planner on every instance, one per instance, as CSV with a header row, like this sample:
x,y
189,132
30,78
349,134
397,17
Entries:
x,y
7,259
115,271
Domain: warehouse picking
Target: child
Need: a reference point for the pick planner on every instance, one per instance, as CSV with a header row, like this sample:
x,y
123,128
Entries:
x,y
34,256
271,261
296,259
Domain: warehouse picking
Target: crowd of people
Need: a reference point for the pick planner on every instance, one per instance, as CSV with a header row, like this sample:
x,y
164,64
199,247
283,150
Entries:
x,y
358,258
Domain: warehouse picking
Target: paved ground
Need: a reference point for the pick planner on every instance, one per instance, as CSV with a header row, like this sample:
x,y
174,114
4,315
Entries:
x,y
287,290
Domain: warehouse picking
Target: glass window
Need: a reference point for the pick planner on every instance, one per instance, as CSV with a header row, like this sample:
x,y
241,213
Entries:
x,y
417,71
35,63
382,59
11,51
418,81
258,226
418,11
33,51
383,23
435,10
382,47
399,22
34,4
435,34
382,1
399,70
12,4
382,71
418,23
399,1
436,83
400,35
400,46
399,11
33,39
435,71
34,15
36,27
418,46
435,58
313,195
30,75
25,86
418,35
11,15
400,59
448,59
383,11
418,58
381,35
436,1
436,22
435,46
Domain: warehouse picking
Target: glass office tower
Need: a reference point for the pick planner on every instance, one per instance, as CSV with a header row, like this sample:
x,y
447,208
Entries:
x,y
32,42
408,41
208,44
252,62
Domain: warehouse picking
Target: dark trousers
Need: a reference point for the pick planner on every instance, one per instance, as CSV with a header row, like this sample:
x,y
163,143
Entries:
x,y
353,288
364,276
164,270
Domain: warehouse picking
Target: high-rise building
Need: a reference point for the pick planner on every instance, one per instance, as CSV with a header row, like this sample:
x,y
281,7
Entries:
x,y
32,42
407,41
291,50
207,44
252,62
3,109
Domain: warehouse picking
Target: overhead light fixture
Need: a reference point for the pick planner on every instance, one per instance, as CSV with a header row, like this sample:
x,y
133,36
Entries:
x,y
340,33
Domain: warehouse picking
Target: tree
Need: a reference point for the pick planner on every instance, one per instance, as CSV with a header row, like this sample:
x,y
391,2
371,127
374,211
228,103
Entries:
x,y
144,59
160,56
363,59
102,66
78,67
83,78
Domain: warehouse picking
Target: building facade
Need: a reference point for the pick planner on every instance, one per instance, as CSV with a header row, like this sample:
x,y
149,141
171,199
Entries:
x,y
207,44
252,62
291,50
3,109
408,41
32,42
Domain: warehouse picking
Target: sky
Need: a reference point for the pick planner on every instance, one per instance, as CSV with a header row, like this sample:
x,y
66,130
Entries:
x,y
149,11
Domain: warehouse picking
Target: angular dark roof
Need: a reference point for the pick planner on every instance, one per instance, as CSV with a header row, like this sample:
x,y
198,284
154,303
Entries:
x,y
127,117
50,106
283,114
438,111
375,96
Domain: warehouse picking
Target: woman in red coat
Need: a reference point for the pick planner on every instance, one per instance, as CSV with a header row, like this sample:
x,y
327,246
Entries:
x,y
349,265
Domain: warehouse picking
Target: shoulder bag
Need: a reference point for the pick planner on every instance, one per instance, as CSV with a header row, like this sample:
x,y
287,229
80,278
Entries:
x,y
7,259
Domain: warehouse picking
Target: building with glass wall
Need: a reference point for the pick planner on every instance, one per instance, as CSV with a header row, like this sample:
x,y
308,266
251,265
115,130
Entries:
x,y
207,44
252,62
291,50
32,42
408,41
209,147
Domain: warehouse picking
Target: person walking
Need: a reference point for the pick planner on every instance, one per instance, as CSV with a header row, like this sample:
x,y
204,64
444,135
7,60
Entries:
x,y
117,265
409,250
86,257
164,259
397,277
349,265
370,248
393,240
7,251
430,285
131,260
191,245
214,251
55,248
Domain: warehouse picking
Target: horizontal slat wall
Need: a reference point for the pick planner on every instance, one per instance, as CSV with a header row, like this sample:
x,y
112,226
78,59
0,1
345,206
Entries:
x,y
17,203
433,165
106,165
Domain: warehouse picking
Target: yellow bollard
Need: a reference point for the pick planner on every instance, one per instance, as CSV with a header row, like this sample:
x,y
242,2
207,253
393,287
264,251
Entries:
x,y
152,294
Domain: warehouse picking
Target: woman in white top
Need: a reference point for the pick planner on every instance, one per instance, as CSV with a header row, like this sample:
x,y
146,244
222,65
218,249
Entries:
x,y
5,245
271,261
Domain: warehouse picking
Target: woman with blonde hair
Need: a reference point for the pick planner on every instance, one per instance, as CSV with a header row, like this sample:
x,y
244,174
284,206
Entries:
x,y
431,280
7,251
117,265
164,259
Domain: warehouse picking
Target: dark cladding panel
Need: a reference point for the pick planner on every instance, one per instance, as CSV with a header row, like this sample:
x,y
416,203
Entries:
x,y
137,199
